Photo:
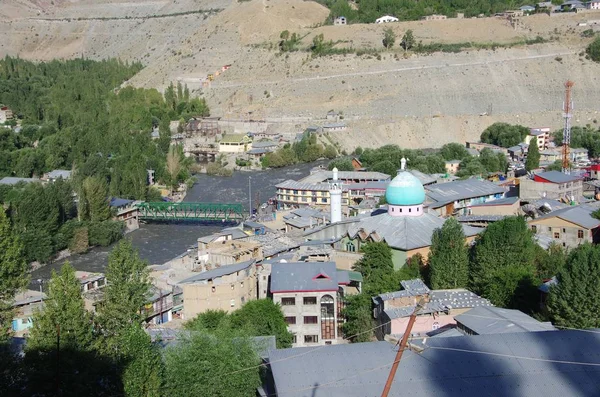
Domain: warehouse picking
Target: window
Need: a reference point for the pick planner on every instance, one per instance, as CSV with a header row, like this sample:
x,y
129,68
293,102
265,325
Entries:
x,y
232,303
288,301
580,233
534,228
242,283
295,192
310,300
290,320
350,247
232,286
556,235
264,278
294,338
243,300
311,320
214,289
549,229
564,230
400,209
323,200
311,338
410,210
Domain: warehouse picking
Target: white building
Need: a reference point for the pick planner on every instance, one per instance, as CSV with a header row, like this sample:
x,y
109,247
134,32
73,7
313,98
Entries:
x,y
386,19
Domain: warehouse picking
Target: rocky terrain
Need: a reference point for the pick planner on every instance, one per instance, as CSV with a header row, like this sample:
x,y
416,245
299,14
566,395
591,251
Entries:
x,y
410,100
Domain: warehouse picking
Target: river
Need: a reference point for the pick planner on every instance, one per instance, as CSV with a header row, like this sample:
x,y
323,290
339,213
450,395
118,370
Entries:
x,y
160,242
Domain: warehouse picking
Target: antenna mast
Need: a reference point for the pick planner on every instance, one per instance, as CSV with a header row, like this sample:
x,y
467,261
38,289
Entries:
x,y
568,108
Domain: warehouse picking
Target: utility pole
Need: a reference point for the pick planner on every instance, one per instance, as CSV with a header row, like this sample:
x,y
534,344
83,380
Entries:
x,y
58,359
403,343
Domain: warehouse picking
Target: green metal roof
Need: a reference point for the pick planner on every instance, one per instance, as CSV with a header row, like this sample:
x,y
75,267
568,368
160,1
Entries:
x,y
353,276
235,138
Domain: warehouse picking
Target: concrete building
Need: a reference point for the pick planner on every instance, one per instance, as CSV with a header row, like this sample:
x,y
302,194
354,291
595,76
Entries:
x,y
458,197
568,226
339,21
227,252
552,185
224,288
55,174
434,17
331,127
158,307
541,136
502,206
5,114
310,295
314,190
25,304
392,310
592,5
126,212
235,143
452,166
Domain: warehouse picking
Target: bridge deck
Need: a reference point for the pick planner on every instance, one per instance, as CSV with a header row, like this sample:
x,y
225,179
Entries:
x,y
191,211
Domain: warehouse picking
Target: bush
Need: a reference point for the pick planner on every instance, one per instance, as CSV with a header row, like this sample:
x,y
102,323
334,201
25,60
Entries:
x,y
80,241
105,233
593,50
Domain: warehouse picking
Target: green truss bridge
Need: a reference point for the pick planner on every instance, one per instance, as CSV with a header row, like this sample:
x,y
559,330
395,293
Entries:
x,y
206,212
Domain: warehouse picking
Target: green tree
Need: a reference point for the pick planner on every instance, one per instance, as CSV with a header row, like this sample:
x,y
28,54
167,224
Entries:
x,y
549,262
330,152
342,164
359,318
408,40
65,312
454,151
386,167
94,200
13,273
200,362
533,156
504,135
143,369
124,295
262,317
593,50
389,38
210,320
502,264
574,301
449,257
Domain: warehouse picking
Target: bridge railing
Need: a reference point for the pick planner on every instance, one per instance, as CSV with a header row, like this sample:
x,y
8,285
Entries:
x,y
191,211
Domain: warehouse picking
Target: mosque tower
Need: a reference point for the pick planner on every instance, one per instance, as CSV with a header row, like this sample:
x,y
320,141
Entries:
x,y
335,197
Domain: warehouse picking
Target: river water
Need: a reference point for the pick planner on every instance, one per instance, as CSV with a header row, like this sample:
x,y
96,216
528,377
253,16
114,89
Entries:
x,y
159,242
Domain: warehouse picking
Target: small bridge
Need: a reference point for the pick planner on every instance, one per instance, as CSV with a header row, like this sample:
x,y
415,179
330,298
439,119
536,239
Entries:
x,y
207,212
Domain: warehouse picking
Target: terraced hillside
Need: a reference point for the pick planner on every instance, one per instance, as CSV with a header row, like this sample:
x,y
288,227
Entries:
x,y
411,100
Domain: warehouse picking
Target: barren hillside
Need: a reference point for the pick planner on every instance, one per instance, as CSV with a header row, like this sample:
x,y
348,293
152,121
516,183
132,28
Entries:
x,y
414,101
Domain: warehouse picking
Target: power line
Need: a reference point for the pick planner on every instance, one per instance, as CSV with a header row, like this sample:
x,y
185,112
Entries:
x,y
532,323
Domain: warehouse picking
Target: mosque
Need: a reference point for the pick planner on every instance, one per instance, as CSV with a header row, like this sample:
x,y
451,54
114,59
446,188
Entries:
x,y
406,226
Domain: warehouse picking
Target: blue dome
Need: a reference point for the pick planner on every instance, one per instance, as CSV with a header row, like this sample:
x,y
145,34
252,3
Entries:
x,y
405,189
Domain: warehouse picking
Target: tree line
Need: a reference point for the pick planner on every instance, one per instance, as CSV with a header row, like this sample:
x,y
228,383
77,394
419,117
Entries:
x,y
504,265
73,352
76,115
305,151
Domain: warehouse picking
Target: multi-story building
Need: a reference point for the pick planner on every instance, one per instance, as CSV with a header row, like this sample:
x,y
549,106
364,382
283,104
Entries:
x,y
568,226
458,197
5,114
224,288
235,143
541,136
314,189
228,252
552,185
311,298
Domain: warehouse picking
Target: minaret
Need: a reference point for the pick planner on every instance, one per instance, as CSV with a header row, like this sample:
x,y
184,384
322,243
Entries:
x,y
335,196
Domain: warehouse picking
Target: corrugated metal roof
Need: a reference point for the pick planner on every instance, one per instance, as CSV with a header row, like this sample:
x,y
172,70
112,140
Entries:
x,y
502,201
303,276
361,369
324,175
55,174
557,177
11,180
495,320
403,232
461,190
218,272
580,215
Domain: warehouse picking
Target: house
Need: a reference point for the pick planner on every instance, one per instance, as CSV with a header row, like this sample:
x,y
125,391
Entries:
x,y
592,5
55,174
386,19
25,304
92,288
392,310
5,114
486,320
578,155
223,288
204,126
11,180
356,164
527,8
228,252
434,17
572,5
518,152
333,116
550,155
126,212
458,197
235,143
545,5
261,148
158,307
305,218
594,171
339,21
541,136
334,127
501,206
452,166
533,364
551,185
310,295
568,226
